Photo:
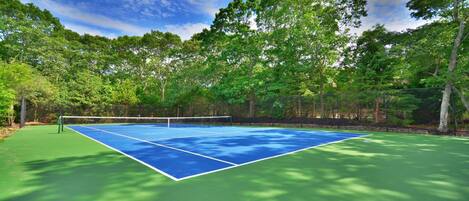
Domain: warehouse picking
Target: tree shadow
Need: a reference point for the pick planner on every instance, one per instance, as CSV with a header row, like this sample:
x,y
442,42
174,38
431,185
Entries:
x,y
381,167
106,175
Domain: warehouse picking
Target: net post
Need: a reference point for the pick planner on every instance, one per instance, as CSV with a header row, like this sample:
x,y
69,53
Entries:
x,y
169,121
59,123
62,122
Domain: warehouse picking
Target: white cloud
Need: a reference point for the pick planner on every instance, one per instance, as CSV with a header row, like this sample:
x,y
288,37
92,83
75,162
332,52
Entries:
x,y
209,7
391,25
165,3
374,5
92,19
402,25
151,8
171,8
185,31
139,3
86,22
392,13
88,30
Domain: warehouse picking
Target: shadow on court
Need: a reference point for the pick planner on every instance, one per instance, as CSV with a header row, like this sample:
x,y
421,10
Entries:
x,y
381,167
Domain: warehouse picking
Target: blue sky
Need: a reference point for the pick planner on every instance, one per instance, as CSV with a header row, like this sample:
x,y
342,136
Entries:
x,y
112,18
392,13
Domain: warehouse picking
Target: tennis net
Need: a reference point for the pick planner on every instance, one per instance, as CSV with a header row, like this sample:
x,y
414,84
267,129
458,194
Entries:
x,y
159,121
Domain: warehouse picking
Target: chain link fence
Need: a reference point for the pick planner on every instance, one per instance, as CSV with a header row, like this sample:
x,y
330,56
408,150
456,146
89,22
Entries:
x,y
417,108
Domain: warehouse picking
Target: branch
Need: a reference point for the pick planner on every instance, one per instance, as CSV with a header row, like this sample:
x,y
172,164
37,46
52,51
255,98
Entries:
x,y
463,98
464,38
455,10
463,23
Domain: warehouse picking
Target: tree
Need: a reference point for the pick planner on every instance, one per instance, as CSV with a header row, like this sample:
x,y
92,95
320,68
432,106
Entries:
x,y
27,83
7,100
305,39
238,61
87,92
424,53
27,35
374,65
125,92
272,57
455,11
161,59
277,48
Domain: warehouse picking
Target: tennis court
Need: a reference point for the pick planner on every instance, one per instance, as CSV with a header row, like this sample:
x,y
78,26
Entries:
x,y
39,164
181,151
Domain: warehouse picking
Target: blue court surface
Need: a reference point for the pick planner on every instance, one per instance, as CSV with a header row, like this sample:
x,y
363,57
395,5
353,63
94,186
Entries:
x,y
186,151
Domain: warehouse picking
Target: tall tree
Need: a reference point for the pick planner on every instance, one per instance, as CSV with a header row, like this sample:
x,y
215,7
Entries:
x,y
374,65
239,59
305,39
455,11
161,61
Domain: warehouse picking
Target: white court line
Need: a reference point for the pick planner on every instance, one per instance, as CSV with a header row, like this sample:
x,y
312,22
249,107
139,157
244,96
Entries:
x,y
131,157
185,129
201,135
270,157
243,133
226,168
192,136
161,145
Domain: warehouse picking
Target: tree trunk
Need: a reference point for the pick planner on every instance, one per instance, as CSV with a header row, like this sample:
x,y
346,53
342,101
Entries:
x,y
299,107
463,98
443,126
252,105
321,100
314,108
337,114
191,109
162,94
36,116
359,113
23,112
126,110
377,108
11,116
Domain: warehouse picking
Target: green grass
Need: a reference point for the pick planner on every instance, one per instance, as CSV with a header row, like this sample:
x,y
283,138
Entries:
x,y
38,164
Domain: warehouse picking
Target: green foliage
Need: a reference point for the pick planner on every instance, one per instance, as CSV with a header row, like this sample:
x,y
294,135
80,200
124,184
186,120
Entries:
x,y
7,100
268,49
20,80
430,9
87,91
374,62
25,81
256,53
401,108
125,93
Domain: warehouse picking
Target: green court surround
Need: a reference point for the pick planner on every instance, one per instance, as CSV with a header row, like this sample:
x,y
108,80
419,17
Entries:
x,y
36,163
